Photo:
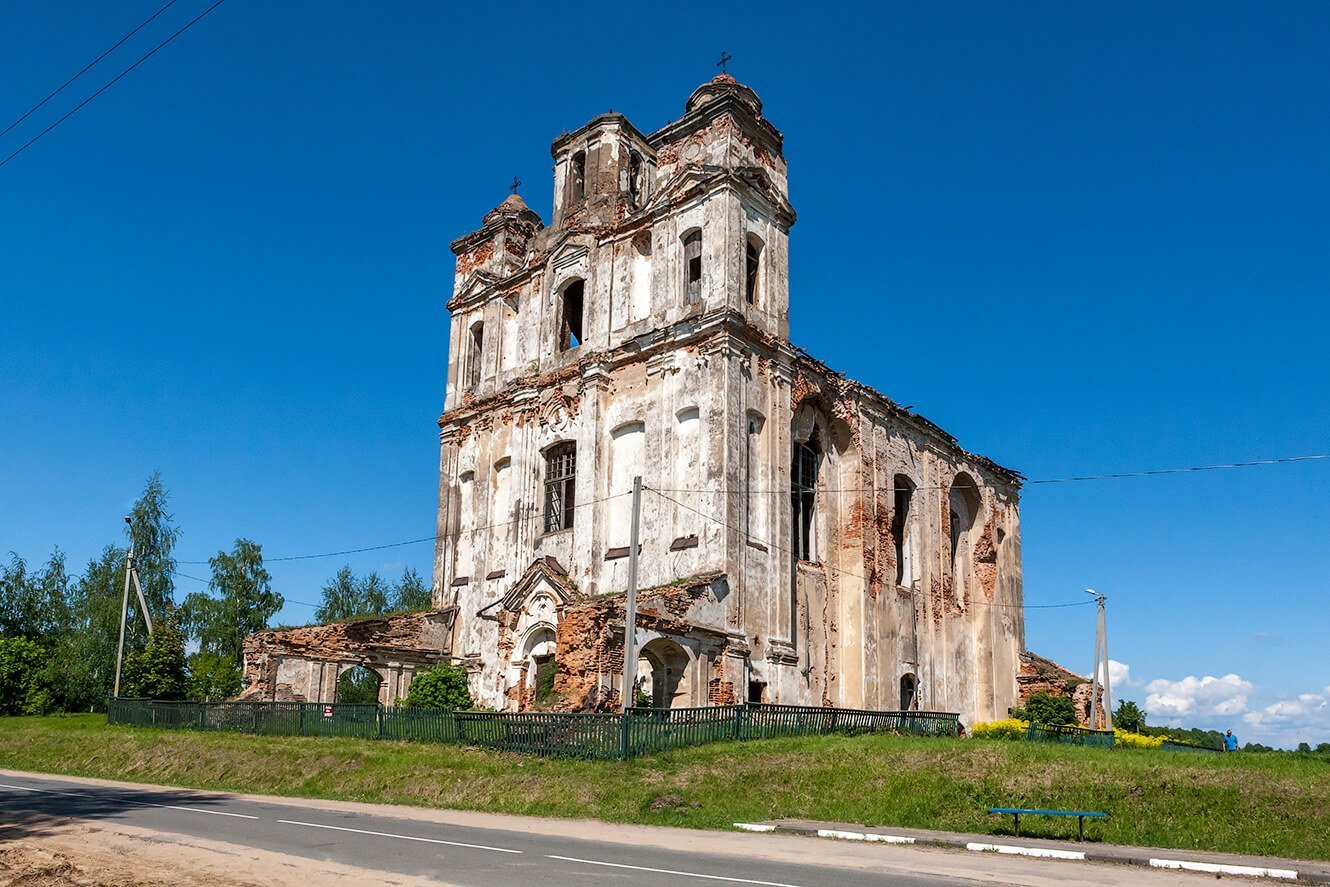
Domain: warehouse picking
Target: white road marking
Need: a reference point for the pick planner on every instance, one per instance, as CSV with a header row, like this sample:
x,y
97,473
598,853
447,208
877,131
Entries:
x,y
1216,868
863,836
124,800
754,827
361,831
642,868
1042,852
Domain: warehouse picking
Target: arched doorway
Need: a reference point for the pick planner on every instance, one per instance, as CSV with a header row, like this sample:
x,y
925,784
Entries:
x,y
664,669
538,650
359,684
909,692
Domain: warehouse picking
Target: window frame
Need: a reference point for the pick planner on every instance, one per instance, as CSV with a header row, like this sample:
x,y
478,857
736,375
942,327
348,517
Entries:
x,y
560,484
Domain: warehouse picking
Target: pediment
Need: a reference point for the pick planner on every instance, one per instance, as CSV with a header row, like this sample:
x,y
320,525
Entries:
x,y
543,587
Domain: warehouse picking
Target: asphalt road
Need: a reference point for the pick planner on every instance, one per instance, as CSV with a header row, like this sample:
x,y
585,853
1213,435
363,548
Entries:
x,y
468,856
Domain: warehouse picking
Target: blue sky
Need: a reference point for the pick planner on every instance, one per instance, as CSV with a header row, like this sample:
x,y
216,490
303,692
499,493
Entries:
x,y
1082,239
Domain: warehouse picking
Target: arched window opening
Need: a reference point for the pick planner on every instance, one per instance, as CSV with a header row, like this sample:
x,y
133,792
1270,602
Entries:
x,y
692,261
901,530
752,262
578,175
964,508
570,321
909,692
543,667
359,685
803,494
474,353
663,667
635,178
560,477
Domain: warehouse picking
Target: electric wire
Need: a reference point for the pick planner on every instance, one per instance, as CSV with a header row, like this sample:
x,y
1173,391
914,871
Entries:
x,y
285,600
852,575
112,82
86,68
534,515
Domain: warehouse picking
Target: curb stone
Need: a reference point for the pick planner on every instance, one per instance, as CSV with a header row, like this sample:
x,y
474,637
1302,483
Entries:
x,y
1146,857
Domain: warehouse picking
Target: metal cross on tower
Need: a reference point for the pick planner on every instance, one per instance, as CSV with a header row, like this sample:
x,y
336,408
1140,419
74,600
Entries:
x,y
725,58
517,183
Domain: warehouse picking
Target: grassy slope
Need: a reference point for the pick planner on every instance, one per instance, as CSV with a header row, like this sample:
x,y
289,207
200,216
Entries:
x,y
1263,804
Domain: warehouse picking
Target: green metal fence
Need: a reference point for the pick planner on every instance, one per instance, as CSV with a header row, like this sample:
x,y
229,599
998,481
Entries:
x,y
1069,735
547,734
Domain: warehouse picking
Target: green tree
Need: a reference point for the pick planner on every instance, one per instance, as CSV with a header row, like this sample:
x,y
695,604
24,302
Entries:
x,y
1045,708
412,595
1129,717
154,534
241,601
84,656
158,671
359,685
23,689
212,677
346,596
444,686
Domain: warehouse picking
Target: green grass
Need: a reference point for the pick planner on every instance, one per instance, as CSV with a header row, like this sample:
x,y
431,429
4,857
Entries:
x,y
1263,804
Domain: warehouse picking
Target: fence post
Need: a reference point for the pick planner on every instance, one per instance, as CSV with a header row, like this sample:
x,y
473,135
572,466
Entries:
x,y
738,722
378,717
623,734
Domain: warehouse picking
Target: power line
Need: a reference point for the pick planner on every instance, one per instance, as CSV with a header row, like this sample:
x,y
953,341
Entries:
x,y
799,488
852,575
113,81
535,514
59,89
285,599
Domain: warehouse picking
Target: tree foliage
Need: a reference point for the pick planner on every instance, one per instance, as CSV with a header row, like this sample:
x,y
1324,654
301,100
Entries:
x,y
359,685
241,601
212,677
158,671
154,534
348,596
1129,717
1045,708
444,686
23,688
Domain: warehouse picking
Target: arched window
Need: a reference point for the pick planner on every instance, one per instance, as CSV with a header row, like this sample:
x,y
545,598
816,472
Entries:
x,y
577,176
474,352
964,508
570,316
635,178
752,262
909,692
692,265
803,494
560,482
901,530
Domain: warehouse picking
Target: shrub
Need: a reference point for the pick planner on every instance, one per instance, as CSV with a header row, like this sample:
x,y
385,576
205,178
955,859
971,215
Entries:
x,y
158,671
1045,708
22,688
444,686
1008,729
1126,739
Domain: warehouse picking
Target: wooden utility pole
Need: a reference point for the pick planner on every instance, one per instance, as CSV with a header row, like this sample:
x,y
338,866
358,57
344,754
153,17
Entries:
x,y
630,608
131,574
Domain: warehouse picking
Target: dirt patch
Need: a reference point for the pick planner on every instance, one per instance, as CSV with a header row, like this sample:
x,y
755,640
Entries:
x,y
67,853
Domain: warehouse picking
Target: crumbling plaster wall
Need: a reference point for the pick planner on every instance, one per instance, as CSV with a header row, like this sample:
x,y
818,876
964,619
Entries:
x,y
303,664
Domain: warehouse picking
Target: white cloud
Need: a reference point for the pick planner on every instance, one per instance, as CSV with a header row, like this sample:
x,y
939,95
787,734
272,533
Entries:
x,y
1119,674
1302,718
1193,697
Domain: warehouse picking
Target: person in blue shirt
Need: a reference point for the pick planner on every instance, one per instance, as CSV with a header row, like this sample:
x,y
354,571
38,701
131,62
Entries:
x,y
1230,741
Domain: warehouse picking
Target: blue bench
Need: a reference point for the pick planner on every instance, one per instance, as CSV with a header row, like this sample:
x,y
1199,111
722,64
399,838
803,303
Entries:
x,y
1081,816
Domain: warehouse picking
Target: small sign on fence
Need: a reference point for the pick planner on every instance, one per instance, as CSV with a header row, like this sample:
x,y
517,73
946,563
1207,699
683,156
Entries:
x,y
327,711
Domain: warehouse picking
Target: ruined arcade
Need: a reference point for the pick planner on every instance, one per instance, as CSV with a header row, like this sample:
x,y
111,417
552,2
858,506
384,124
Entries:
x,y
804,539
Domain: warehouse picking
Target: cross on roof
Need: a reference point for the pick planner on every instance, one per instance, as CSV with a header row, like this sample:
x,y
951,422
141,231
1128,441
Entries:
x,y
517,183
725,58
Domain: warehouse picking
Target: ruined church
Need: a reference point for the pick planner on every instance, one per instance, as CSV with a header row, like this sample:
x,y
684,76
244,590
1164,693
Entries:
x,y
804,539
